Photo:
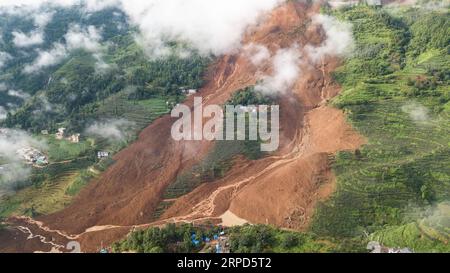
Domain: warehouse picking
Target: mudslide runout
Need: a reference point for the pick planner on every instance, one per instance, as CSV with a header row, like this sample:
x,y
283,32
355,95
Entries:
x,y
281,189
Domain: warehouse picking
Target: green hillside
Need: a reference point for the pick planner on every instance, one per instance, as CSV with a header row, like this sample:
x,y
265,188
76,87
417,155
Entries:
x,y
395,190
396,93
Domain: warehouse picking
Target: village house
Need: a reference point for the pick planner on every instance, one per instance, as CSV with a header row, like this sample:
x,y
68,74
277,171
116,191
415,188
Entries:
x,y
189,92
60,135
192,92
75,138
102,154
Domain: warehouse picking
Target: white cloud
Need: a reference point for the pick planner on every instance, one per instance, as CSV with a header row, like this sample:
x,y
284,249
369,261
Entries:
x,y
96,5
12,6
4,58
13,140
3,113
286,70
47,58
257,53
19,94
113,129
287,62
416,112
27,40
35,37
3,86
339,39
10,174
87,39
76,38
14,170
42,19
101,66
211,26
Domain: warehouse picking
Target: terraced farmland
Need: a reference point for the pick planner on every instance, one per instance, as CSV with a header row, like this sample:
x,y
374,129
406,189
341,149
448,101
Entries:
x,y
385,188
430,233
48,193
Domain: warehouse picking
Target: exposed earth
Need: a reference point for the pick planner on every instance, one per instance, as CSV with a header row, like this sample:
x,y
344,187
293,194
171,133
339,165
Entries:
x,y
281,189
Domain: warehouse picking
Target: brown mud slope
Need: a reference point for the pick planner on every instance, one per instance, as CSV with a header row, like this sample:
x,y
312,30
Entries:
x,y
281,189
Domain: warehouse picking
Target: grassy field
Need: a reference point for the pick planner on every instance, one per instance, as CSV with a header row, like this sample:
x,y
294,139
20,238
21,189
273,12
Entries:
x,y
64,150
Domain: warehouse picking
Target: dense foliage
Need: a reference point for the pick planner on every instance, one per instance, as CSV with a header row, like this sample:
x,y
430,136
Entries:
x,y
171,238
396,93
240,239
221,158
69,93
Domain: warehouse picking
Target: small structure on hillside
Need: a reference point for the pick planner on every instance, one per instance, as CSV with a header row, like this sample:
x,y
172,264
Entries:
x,y
60,134
32,156
189,92
75,138
44,132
